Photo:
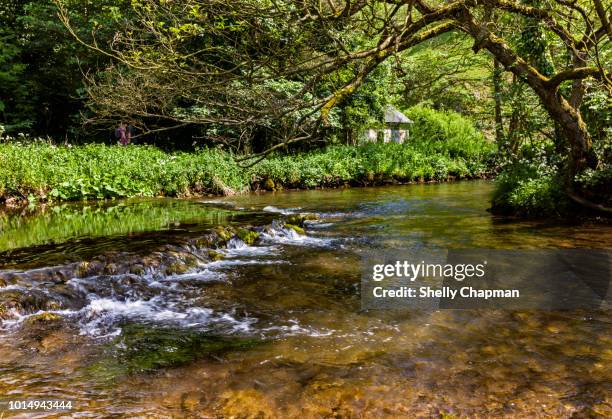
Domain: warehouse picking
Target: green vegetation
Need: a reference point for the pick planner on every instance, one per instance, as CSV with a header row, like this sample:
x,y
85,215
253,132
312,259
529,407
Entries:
x,y
143,348
370,164
41,171
44,171
247,236
448,133
535,191
42,88
533,182
295,228
523,189
253,77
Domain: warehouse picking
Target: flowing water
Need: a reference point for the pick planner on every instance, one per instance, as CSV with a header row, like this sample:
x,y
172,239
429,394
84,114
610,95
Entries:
x,y
137,309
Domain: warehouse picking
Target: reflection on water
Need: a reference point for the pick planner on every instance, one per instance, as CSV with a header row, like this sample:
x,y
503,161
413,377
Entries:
x,y
31,226
147,316
71,232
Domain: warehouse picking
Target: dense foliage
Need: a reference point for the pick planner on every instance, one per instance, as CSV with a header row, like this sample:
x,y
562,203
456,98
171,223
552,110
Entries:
x,y
43,68
530,189
40,170
256,77
532,184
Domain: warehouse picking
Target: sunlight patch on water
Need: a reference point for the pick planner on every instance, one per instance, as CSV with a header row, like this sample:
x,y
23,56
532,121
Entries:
x,y
283,211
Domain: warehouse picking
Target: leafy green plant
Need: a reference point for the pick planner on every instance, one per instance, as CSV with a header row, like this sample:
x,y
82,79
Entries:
x,y
447,133
531,190
39,170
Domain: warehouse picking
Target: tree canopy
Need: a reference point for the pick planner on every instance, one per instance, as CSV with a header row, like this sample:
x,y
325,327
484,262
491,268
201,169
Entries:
x,y
259,75
285,68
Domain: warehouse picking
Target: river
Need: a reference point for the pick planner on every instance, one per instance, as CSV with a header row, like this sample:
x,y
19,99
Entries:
x,y
132,308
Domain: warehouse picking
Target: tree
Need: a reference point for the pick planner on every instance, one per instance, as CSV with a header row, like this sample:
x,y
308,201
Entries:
x,y
259,63
42,65
15,109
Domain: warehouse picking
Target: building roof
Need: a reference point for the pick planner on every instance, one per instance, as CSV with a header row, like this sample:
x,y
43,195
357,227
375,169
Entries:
x,y
394,116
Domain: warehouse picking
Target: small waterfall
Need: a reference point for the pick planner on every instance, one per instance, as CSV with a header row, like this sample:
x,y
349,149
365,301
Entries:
x,y
236,243
163,286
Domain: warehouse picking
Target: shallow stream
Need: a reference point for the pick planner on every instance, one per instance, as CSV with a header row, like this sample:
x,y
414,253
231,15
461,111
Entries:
x,y
136,308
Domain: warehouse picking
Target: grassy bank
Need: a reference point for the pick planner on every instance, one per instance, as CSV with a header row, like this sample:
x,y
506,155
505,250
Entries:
x,y
42,171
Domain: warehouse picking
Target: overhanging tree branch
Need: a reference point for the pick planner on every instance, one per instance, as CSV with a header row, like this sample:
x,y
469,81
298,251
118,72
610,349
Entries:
x,y
572,74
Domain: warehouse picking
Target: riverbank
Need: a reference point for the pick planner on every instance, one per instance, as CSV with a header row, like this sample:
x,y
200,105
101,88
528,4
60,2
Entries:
x,y
41,171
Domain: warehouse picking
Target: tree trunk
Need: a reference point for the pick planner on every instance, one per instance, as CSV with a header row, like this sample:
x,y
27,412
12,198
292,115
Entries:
x,y
497,92
569,119
515,117
574,130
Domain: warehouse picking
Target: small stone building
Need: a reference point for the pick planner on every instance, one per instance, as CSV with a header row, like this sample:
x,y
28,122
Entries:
x,y
395,129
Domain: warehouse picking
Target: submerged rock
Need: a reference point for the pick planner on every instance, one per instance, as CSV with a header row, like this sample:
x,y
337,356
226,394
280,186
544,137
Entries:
x,y
137,269
214,256
176,268
30,301
45,317
53,274
46,333
224,233
111,269
300,219
248,403
191,401
142,349
55,341
4,312
82,269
